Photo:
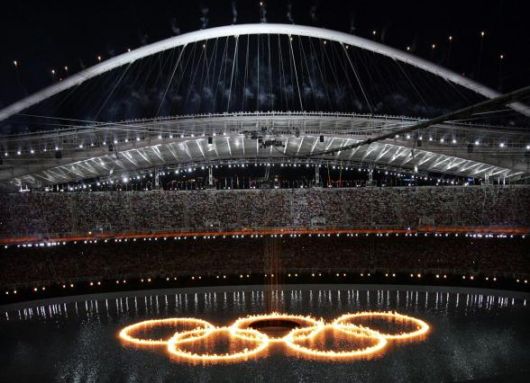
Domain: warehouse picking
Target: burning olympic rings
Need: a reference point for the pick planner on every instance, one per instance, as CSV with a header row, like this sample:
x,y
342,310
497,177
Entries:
x,y
307,330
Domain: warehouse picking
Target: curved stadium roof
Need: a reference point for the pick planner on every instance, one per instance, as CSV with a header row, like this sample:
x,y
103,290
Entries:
x,y
474,150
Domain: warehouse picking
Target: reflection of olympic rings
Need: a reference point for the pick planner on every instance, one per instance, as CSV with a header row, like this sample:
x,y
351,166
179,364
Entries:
x,y
307,329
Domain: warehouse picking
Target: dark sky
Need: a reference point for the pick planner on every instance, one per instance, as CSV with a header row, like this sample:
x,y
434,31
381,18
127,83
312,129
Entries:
x,y
42,35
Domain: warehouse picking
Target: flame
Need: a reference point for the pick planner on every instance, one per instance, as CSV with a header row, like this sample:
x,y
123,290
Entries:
x,y
305,320
126,337
240,332
175,350
422,328
297,335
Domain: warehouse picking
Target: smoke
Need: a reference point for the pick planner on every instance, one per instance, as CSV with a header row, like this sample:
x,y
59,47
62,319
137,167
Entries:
x,y
313,12
352,23
290,12
384,33
248,93
143,38
110,51
195,100
207,92
234,11
414,44
262,12
204,17
266,100
141,96
402,104
339,95
174,28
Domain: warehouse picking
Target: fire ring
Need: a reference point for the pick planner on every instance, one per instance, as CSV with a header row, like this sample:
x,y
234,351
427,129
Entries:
x,y
422,328
126,335
310,333
175,351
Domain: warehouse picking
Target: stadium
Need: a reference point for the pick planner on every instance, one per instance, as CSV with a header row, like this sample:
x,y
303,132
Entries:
x,y
266,201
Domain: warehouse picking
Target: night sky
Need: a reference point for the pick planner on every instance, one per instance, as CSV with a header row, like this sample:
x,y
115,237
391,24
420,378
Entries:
x,y
46,35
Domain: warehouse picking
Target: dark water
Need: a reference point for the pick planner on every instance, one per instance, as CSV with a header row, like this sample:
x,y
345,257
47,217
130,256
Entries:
x,y
476,334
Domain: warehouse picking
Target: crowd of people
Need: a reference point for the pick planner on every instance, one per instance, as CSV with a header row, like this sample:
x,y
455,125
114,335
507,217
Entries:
x,y
51,214
175,258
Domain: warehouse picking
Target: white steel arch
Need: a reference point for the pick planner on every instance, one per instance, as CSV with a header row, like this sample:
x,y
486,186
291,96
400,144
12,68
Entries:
x,y
252,29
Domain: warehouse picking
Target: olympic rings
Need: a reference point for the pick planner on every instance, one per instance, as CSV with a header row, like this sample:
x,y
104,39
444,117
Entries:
x,y
241,331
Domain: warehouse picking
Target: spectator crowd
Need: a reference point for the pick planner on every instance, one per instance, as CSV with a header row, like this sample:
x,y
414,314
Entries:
x,y
52,214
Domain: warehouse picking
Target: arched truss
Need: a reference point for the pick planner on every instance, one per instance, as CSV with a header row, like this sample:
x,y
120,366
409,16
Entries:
x,y
184,141
251,29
